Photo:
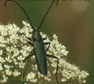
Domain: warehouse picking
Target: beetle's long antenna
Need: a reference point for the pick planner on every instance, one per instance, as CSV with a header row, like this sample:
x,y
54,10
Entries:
x,y
47,13
22,10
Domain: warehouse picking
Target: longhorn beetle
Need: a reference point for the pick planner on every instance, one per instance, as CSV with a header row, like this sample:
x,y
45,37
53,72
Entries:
x,y
37,42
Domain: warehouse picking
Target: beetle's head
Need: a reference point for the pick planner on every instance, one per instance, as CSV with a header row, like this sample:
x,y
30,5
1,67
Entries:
x,y
36,35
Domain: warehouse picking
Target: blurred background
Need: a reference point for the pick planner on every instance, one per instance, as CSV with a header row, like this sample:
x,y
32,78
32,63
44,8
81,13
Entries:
x,y
71,20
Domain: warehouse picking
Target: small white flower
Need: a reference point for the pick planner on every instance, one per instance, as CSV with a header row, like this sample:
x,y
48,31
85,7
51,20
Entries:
x,y
4,33
8,59
15,61
21,58
6,66
16,52
4,79
40,75
2,60
84,81
1,67
46,78
30,76
8,72
21,65
16,73
25,83
63,79
1,52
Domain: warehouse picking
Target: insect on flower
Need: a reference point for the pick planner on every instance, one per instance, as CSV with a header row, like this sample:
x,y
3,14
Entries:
x,y
37,42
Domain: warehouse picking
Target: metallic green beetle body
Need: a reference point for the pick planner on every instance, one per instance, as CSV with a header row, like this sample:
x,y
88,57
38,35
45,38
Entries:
x,y
40,52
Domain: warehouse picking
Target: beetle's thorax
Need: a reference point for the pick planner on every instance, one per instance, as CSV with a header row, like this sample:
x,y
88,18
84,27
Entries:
x,y
36,35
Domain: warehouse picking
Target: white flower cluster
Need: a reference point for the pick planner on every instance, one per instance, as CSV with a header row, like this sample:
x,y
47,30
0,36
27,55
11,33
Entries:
x,y
12,55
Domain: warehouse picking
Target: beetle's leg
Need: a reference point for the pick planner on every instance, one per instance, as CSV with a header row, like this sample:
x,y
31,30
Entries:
x,y
29,38
56,67
44,38
25,44
48,43
28,43
31,54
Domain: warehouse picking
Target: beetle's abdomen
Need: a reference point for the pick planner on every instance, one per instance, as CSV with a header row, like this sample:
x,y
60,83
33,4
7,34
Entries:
x,y
41,57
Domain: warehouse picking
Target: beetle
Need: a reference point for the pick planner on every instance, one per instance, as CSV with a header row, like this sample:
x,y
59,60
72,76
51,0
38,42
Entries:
x,y
37,42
